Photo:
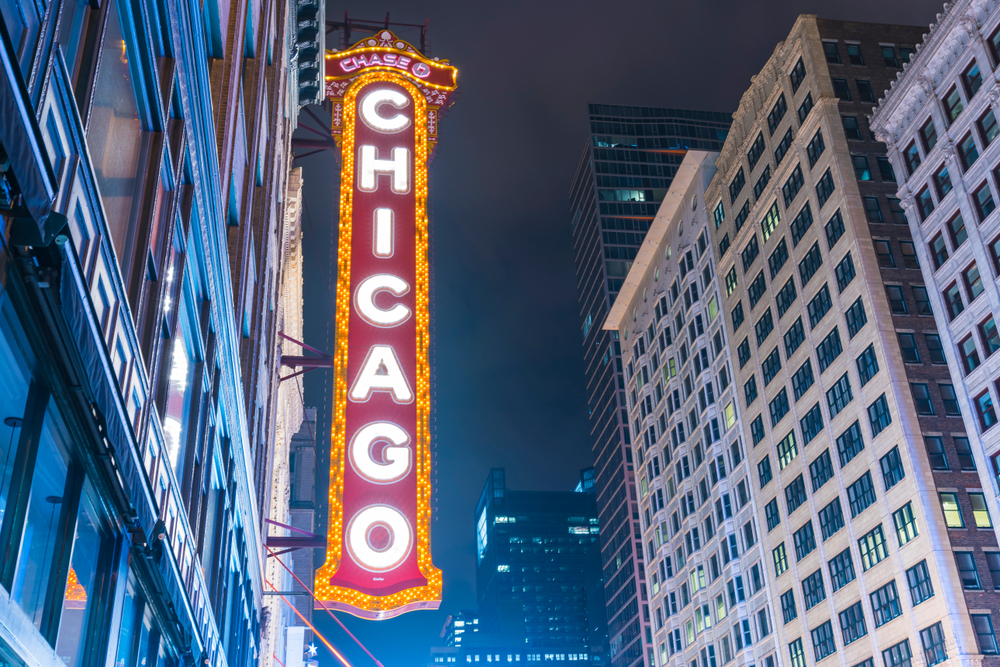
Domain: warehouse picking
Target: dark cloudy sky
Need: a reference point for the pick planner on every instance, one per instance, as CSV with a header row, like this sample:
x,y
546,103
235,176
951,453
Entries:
x,y
509,373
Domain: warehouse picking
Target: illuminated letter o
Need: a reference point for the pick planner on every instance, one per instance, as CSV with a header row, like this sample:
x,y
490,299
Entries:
x,y
396,455
400,538
369,111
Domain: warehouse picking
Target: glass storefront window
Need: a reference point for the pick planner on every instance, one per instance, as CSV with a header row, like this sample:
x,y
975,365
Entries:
x,y
42,523
115,133
81,588
13,396
131,606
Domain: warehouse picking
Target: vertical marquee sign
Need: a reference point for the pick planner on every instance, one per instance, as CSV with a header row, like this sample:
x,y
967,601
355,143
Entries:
x,y
386,101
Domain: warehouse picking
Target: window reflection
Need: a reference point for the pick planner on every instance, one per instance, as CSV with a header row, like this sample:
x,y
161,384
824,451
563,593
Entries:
x,y
179,392
81,590
13,396
41,526
114,132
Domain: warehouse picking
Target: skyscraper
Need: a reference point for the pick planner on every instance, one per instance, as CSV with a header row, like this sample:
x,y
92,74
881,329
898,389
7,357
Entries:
x,y
624,172
536,558
949,189
144,171
840,370
701,532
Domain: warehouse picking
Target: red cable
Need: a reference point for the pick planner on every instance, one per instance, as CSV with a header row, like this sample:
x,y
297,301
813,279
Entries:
x,y
325,608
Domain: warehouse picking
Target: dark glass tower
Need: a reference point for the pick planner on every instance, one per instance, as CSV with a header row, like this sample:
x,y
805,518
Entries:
x,y
623,175
538,572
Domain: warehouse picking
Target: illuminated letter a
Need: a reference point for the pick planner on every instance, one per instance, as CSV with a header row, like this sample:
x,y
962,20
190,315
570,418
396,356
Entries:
x,y
381,372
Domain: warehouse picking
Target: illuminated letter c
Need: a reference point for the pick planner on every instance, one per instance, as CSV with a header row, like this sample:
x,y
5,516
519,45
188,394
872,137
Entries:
x,y
364,300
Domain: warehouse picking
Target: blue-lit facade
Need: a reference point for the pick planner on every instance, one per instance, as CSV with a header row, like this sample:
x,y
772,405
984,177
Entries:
x,y
625,170
143,169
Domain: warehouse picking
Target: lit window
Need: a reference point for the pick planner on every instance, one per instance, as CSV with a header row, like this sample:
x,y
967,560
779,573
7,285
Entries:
x,y
952,512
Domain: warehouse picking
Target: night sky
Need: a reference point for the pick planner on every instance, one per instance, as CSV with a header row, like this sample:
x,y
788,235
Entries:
x,y
509,366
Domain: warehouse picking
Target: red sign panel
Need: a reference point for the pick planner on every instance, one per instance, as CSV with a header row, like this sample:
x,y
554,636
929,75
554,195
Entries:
x,y
378,561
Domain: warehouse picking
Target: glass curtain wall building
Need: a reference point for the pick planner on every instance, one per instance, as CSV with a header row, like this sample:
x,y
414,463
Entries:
x,y
623,174
144,154
706,572
875,553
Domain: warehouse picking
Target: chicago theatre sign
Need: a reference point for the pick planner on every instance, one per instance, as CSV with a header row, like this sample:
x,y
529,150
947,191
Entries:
x,y
386,101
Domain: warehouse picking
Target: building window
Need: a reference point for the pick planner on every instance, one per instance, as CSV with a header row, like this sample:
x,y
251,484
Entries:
x,y
934,349
778,407
749,254
797,75
988,128
738,316
810,264
861,494
921,298
813,590
969,353
825,186
802,222
851,128
815,148
780,560
839,395
892,468
953,301
938,250
883,252
831,519
849,443
777,112
885,604
731,281
834,229
756,151
980,513
736,185
989,335
764,327
773,514
873,548
972,79
973,281
805,541
919,581
856,317
922,398
908,348
878,415
950,400
942,182
764,471
897,303
852,623
985,637
967,151
885,169
993,561
823,642
952,104
844,272
783,147
898,655
794,337
796,654
788,610
811,424
952,511
785,298
873,213
787,450
985,411
831,52
932,639
862,171
983,198
771,366
805,107
758,188
906,524
802,380
896,212
956,228
757,430
821,470
967,572
819,306
756,289
964,451
934,444
795,494
912,158
841,570
925,204
778,258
